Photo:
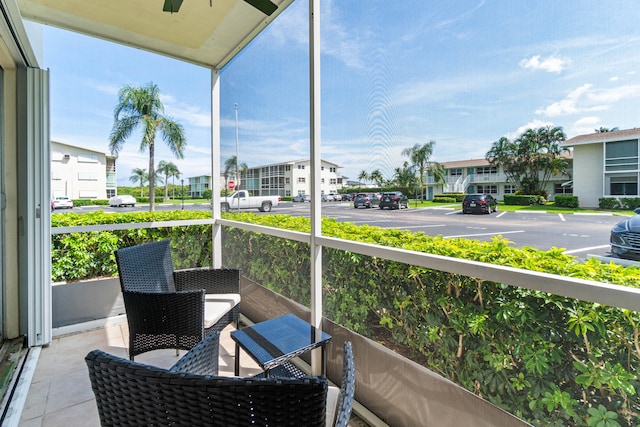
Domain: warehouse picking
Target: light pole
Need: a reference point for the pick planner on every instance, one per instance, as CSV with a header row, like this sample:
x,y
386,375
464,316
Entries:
x,y
182,181
237,170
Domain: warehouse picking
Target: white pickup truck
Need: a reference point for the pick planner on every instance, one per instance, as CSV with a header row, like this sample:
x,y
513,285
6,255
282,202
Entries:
x,y
262,203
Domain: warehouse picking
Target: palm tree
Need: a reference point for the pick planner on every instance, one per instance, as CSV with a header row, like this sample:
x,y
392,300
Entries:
x,y
420,157
174,174
376,176
139,175
363,176
603,129
141,106
168,169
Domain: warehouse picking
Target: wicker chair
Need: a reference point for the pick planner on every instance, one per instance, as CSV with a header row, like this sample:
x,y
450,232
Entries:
x,y
347,389
131,393
173,309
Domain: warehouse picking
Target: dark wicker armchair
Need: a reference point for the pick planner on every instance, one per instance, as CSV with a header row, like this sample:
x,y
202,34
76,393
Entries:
x,y
173,309
131,393
347,388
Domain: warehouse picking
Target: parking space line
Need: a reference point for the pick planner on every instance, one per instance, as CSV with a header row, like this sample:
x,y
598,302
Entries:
x,y
573,251
484,234
500,214
562,217
424,226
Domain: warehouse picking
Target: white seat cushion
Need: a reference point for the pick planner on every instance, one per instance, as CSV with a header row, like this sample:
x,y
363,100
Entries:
x,y
333,395
217,305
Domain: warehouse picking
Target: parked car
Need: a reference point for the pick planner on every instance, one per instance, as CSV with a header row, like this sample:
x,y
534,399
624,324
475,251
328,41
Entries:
x,y
337,197
347,197
61,202
122,200
625,237
302,198
393,200
328,198
483,203
366,200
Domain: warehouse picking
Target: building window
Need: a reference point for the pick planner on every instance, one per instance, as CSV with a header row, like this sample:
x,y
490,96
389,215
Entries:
x,y
332,170
287,180
509,189
87,158
301,167
562,189
86,176
111,192
621,156
322,181
301,180
321,168
333,181
483,170
287,168
622,185
455,172
488,189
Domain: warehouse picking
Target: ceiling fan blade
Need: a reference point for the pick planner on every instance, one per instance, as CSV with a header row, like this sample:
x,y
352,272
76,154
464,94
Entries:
x,y
265,6
171,5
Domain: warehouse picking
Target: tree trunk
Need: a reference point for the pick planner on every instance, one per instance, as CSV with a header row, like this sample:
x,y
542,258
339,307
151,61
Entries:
x,y
152,177
166,187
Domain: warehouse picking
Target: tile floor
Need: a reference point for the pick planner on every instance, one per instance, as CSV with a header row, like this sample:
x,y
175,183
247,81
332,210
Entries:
x,y
60,393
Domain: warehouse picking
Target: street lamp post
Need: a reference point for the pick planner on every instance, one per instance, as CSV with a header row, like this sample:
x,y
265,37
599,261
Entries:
x,y
237,170
182,181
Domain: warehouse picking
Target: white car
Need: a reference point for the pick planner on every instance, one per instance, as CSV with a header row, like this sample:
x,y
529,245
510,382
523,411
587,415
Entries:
x,y
62,202
123,200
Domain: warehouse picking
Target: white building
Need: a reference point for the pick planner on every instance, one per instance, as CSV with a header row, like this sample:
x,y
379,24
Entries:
x,y
81,173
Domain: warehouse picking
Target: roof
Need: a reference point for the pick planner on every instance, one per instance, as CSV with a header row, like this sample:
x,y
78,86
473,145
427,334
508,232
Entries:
x,y
54,143
600,137
207,33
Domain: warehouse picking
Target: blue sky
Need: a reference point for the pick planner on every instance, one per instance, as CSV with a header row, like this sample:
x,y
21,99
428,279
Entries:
x,y
394,73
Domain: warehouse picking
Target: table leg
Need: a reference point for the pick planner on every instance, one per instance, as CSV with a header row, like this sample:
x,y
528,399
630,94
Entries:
x,y
237,361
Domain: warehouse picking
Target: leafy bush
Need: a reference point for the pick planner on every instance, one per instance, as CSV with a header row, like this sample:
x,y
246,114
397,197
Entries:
x,y
609,203
458,197
565,201
206,194
630,203
441,199
524,199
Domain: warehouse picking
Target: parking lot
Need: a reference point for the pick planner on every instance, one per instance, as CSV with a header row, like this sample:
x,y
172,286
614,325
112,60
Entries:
x,y
580,235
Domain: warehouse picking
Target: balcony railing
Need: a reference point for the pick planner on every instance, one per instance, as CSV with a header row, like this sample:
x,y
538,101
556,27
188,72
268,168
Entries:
x,y
396,389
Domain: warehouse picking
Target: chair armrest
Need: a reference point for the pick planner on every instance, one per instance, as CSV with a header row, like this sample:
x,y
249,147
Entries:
x,y
201,359
212,280
170,312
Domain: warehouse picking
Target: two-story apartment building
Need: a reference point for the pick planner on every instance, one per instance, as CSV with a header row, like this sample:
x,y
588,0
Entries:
x,y
605,165
81,173
279,179
478,176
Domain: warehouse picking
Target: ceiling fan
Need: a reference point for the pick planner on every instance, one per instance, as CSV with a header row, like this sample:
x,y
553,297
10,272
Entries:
x,y
265,6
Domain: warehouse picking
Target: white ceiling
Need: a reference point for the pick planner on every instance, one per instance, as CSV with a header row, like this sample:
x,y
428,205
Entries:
x,y
200,33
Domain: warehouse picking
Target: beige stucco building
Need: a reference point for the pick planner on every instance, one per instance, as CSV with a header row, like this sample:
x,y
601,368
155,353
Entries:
x,y
605,165
81,173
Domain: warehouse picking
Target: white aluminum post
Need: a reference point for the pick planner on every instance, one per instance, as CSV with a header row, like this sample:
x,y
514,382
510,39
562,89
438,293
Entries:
x,y
315,143
216,228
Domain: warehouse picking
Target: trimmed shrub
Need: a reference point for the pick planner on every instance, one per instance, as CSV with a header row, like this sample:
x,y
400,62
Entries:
x,y
609,203
441,199
458,197
630,203
524,200
565,201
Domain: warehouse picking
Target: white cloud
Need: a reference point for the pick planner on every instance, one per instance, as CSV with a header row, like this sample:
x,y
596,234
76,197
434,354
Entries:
x,y
609,96
551,64
534,124
613,79
567,105
585,125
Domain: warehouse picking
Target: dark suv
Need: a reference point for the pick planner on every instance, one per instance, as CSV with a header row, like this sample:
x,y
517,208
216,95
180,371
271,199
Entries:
x,y
394,200
482,203
366,200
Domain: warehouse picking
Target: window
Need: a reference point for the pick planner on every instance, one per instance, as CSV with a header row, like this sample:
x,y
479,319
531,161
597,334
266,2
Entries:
x,y
287,180
483,170
488,189
622,185
322,181
509,189
455,172
333,181
562,189
301,167
87,158
332,170
301,180
111,192
621,156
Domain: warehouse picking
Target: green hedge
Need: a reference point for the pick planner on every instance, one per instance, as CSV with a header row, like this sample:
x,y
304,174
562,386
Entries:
x,y
550,360
457,197
441,199
565,201
523,199
623,203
